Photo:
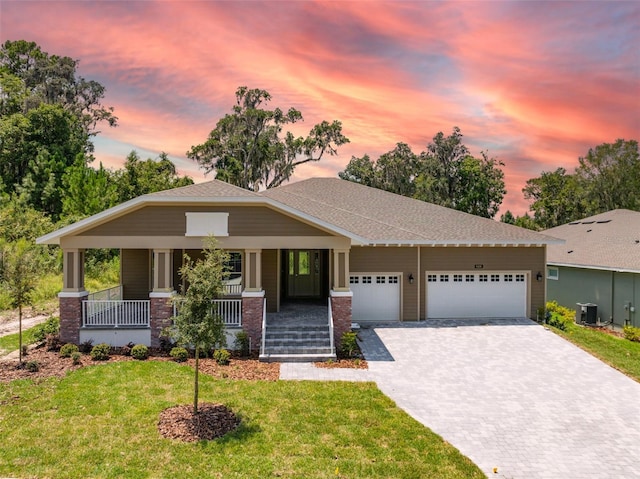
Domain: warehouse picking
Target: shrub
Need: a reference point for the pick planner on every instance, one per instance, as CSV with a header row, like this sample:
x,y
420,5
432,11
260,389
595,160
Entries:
x,y
558,316
32,366
100,352
86,346
25,349
349,345
179,354
75,357
242,343
52,342
222,356
140,352
557,321
50,326
126,349
632,333
68,349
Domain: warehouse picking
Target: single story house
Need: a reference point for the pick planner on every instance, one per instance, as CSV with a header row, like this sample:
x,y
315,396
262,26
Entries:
x,y
599,264
363,253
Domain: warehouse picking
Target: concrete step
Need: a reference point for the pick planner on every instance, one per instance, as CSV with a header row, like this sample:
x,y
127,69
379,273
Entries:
x,y
297,336
296,358
301,328
269,344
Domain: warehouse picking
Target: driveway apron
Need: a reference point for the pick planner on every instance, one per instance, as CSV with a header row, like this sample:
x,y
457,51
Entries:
x,y
511,395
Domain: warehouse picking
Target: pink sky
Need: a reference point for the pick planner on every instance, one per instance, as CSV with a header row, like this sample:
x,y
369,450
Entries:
x,y
536,84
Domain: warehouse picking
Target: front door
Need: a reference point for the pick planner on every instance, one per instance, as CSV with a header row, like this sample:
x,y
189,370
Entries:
x,y
303,273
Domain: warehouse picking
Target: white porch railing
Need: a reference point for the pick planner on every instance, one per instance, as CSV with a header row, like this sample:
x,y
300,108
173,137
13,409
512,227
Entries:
x,y
230,310
332,344
115,314
264,327
233,289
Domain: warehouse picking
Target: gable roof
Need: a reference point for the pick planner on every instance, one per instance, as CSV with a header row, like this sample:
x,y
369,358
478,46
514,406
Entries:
x,y
363,214
608,241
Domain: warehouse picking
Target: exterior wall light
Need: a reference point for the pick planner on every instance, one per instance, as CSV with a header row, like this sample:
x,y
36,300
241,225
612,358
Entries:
x,y
539,276
410,278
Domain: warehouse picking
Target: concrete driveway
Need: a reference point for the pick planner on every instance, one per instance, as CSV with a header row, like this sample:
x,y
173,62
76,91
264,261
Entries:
x,y
511,395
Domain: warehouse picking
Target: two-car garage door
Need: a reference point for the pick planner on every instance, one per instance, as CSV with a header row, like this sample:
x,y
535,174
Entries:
x,y
476,295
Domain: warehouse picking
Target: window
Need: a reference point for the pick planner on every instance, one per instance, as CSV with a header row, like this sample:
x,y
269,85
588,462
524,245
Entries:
x,y
508,277
483,278
233,273
457,278
444,278
354,280
553,273
432,278
495,278
519,278
366,280
393,280
380,279
469,278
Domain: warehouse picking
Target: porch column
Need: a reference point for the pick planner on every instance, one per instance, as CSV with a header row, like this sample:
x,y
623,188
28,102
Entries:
x,y
253,268
72,295
160,299
163,270
341,270
252,311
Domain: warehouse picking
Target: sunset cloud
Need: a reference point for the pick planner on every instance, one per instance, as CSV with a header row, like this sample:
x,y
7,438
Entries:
x,y
534,83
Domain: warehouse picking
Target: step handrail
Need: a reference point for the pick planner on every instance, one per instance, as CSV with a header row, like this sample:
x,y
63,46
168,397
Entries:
x,y
264,327
332,342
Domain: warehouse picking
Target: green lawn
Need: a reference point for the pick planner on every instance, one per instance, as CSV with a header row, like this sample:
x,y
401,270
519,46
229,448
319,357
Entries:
x,y
101,421
619,353
10,342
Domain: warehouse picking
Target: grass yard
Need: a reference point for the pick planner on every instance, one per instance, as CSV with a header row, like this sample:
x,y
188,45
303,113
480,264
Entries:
x,y
620,353
10,342
101,421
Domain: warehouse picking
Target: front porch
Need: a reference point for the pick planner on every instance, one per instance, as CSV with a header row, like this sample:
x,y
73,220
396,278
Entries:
x,y
284,299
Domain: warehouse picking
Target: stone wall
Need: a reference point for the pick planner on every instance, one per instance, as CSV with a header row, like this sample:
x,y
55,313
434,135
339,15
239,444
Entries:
x,y
252,320
161,311
70,319
341,310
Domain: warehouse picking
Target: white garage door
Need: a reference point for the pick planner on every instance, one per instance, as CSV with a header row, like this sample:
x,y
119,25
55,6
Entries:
x,y
376,297
476,295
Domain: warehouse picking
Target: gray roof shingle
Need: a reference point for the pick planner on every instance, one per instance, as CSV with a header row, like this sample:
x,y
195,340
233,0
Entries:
x,y
609,240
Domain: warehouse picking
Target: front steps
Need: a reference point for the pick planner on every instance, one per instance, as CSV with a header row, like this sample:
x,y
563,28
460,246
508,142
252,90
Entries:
x,y
297,343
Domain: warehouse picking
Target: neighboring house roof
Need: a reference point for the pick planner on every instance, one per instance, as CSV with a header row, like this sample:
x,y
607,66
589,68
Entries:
x,y
608,241
366,215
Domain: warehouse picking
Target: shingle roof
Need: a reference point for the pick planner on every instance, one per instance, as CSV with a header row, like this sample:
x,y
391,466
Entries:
x,y
208,189
382,216
609,240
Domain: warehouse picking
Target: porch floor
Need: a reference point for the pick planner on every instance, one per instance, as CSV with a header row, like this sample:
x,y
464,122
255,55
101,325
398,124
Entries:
x,y
300,313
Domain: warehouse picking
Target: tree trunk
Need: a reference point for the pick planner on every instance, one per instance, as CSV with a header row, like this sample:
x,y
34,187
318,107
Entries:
x,y
195,387
20,334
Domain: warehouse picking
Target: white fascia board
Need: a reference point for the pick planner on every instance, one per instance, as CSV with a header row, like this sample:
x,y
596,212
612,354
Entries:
x,y
599,268
538,243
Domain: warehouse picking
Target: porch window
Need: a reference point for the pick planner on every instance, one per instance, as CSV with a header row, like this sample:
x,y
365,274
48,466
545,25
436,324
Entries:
x,y
233,273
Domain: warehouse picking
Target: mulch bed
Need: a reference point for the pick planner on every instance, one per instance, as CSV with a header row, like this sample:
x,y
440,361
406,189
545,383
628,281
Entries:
x,y
52,365
343,364
211,421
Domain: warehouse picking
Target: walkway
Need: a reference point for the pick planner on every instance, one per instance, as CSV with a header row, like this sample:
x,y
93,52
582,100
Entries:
x,y
507,394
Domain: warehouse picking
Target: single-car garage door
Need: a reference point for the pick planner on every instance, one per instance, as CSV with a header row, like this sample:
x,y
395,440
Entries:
x,y
476,295
376,297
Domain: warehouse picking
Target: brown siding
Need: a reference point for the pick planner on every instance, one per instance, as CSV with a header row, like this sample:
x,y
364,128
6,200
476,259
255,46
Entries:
x,y
270,278
135,273
391,259
171,221
497,258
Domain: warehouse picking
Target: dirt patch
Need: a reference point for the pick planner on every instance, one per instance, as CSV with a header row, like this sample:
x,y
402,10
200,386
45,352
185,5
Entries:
x,y
211,421
50,364
9,322
343,364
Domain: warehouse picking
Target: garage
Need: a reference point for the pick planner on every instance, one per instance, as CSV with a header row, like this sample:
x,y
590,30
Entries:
x,y
376,297
468,294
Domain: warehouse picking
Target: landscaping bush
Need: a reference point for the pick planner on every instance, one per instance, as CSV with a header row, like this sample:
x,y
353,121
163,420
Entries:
x,y
222,356
558,316
242,344
52,342
68,349
126,349
100,352
349,345
50,326
32,366
632,333
180,355
75,357
140,352
86,346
